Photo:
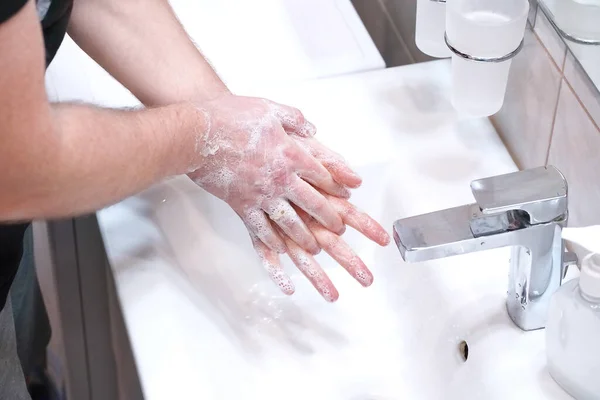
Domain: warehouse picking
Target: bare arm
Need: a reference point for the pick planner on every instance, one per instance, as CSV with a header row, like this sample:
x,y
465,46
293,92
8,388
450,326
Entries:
x,y
59,160
62,159
142,44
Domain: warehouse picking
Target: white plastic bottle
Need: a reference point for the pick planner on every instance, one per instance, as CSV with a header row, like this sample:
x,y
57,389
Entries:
x,y
573,333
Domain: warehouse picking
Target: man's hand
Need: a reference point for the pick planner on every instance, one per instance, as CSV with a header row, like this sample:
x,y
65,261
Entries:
x,y
248,160
260,158
332,243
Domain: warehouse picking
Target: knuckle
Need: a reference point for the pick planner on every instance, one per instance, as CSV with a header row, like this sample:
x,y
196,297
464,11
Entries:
x,y
289,115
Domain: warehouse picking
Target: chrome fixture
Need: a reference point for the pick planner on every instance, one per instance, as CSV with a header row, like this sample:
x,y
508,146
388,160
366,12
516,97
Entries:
x,y
524,210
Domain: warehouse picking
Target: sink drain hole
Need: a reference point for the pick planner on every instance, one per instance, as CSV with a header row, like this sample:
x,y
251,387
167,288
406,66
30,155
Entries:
x,y
463,350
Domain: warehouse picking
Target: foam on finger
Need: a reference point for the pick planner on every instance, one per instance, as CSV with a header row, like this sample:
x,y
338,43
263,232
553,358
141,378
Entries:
x,y
270,261
313,271
359,220
340,251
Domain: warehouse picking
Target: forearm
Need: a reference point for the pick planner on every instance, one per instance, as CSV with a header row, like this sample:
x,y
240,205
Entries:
x,y
86,158
142,44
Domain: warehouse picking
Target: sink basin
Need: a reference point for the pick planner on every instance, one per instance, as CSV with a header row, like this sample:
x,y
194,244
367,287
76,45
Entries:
x,y
205,322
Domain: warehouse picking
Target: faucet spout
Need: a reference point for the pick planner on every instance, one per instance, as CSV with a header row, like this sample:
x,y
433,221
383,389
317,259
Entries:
x,y
531,228
448,233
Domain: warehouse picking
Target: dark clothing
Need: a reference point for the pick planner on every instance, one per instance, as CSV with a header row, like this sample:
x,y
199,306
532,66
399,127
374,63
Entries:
x,y
54,16
54,25
9,8
11,250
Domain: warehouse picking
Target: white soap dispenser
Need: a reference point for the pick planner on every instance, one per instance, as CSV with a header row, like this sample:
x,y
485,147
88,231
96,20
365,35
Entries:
x,y
573,332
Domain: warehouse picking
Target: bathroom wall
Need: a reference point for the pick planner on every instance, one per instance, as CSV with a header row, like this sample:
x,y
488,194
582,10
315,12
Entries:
x,y
391,24
551,115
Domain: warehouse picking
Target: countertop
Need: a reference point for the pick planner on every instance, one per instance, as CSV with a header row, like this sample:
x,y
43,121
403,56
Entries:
x,y
186,278
247,42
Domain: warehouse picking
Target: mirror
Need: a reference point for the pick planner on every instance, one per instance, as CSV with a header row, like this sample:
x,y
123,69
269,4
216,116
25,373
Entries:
x,y
578,22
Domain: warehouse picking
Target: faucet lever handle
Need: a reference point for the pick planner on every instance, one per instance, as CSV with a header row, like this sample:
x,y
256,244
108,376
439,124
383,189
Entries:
x,y
541,192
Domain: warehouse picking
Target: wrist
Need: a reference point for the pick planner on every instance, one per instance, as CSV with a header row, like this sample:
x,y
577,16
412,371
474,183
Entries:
x,y
217,90
189,124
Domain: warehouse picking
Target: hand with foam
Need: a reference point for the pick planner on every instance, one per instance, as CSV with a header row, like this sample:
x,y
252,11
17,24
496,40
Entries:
x,y
331,242
246,158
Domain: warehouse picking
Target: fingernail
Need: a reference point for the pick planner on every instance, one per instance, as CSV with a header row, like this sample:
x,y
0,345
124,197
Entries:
x,y
386,239
364,277
342,231
357,177
315,250
330,296
287,286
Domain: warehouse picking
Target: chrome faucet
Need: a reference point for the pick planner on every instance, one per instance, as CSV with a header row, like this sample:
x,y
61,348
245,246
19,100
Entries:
x,y
525,210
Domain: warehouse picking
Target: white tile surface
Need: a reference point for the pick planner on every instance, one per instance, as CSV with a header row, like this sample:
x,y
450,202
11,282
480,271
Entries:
x,y
550,39
575,150
525,120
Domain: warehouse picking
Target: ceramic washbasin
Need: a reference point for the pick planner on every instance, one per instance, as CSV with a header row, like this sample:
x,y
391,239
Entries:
x,y
205,322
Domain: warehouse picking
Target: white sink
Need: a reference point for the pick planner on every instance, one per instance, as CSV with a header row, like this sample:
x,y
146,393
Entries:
x,y
205,321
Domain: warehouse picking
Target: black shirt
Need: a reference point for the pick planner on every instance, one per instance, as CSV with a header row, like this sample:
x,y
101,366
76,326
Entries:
x,y
54,16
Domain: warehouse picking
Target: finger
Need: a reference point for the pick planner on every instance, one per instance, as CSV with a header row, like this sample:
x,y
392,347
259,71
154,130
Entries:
x,y
359,220
339,250
293,120
311,170
257,223
333,162
316,205
317,175
312,270
282,213
270,261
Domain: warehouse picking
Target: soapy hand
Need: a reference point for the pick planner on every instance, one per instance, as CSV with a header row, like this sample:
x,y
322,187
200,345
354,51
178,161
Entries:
x,y
289,189
246,158
332,243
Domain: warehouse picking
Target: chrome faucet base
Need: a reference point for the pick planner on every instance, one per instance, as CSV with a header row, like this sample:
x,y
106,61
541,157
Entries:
x,y
524,210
